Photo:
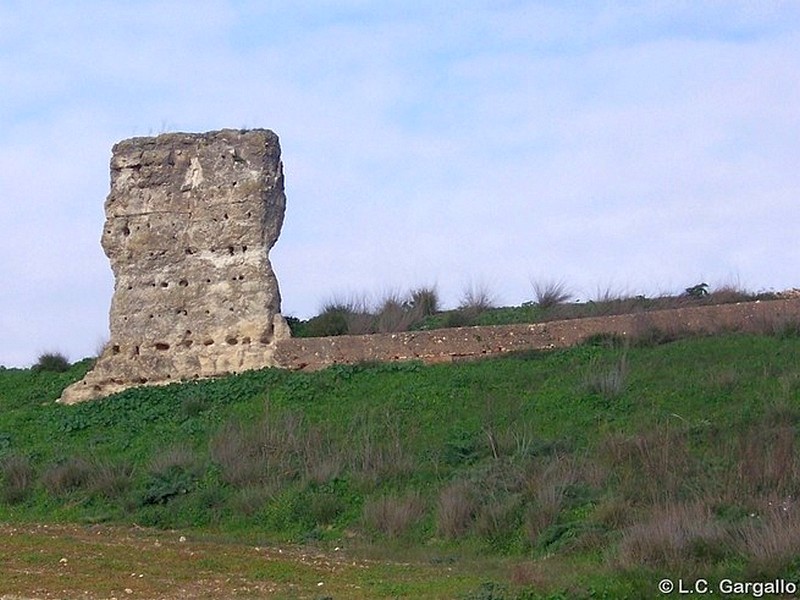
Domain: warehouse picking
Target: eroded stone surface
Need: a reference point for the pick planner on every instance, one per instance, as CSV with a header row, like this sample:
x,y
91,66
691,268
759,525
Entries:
x,y
190,220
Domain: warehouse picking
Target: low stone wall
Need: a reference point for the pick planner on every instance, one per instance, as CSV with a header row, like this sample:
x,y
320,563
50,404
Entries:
x,y
469,343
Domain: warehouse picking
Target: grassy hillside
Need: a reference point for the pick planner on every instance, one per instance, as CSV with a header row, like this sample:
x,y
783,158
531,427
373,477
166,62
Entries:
x,y
593,471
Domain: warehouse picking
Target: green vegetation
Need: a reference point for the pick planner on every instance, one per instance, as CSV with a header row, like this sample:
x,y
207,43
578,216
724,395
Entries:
x,y
420,309
354,316
587,473
52,361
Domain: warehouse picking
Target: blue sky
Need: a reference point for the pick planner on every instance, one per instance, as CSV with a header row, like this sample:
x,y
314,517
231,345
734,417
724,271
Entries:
x,y
640,147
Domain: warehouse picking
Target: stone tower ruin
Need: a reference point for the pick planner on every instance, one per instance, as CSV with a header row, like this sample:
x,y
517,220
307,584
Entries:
x,y
190,220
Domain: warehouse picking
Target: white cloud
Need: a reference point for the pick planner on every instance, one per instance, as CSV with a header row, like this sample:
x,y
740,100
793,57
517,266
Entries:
x,y
646,145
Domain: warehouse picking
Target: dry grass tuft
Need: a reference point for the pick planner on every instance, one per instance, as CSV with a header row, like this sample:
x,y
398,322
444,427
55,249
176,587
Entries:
x,y
174,457
547,485
766,462
393,314
72,474
476,298
770,538
17,478
458,504
112,480
661,455
255,454
607,381
378,452
250,500
550,294
673,535
497,517
323,460
393,516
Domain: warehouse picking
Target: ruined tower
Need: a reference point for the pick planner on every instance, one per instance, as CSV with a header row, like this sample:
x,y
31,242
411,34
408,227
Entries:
x,y
190,220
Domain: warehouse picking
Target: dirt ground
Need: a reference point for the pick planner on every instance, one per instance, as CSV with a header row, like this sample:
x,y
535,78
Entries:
x,y
39,562
94,562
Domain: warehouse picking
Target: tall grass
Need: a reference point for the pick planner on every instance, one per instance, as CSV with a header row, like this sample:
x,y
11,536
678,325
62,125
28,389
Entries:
x,y
771,537
686,455
17,478
673,535
269,450
456,509
394,515
476,298
549,294
420,309
70,475
377,450
356,315
607,380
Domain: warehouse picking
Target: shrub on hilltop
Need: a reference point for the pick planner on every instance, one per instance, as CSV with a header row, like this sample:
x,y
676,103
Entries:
x,y
53,362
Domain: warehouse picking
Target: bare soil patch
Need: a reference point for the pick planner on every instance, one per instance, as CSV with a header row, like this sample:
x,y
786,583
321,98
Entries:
x,y
39,562
67,561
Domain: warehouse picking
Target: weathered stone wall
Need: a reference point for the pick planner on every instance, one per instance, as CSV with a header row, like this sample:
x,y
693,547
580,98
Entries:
x,y
470,343
190,220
